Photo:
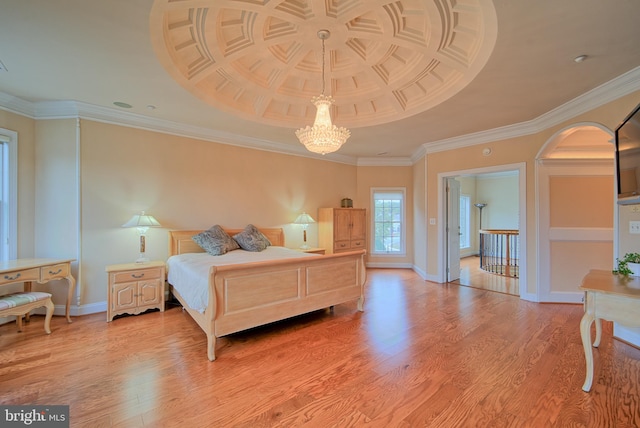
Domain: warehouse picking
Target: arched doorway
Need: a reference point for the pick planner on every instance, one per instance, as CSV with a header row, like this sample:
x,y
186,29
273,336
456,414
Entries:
x,y
575,209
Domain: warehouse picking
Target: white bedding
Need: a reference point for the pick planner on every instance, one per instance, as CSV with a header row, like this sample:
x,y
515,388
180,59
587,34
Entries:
x,y
189,272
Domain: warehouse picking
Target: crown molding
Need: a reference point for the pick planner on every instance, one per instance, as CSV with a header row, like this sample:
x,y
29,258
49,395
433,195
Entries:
x,y
419,154
603,94
42,110
16,105
482,137
391,161
50,110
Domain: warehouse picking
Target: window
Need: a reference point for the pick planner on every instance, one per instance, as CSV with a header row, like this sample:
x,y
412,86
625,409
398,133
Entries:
x,y
8,194
465,221
388,221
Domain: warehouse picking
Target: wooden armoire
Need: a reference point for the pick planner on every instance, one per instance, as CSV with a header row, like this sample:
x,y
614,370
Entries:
x,y
342,229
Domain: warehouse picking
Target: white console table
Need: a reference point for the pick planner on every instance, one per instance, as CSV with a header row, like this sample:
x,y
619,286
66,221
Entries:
x,y
610,297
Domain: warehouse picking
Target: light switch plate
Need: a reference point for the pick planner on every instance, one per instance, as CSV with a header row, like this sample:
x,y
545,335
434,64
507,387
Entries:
x,y
634,227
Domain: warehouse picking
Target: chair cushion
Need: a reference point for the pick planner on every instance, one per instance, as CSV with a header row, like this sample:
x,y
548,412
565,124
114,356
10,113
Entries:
x,y
21,298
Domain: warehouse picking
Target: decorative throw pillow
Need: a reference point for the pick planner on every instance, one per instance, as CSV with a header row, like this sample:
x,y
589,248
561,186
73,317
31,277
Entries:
x,y
251,239
215,241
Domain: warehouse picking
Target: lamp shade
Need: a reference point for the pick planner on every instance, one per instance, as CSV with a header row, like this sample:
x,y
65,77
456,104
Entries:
x,y
142,220
304,218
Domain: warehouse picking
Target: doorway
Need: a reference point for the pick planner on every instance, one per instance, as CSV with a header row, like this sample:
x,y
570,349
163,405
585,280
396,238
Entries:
x,y
501,188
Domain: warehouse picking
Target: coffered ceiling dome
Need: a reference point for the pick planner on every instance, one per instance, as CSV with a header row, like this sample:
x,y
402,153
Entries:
x,y
262,59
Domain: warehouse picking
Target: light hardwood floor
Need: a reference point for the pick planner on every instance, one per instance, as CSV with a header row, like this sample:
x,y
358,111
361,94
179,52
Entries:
x,y
422,354
472,276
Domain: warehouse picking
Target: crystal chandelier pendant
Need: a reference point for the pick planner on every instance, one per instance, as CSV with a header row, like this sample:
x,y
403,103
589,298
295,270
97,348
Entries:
x,y
323,137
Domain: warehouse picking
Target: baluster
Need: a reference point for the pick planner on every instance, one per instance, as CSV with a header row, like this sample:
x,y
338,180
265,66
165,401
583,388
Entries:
x,y
499,252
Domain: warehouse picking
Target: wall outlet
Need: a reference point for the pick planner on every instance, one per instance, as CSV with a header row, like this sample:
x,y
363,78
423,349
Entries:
x,y
634,227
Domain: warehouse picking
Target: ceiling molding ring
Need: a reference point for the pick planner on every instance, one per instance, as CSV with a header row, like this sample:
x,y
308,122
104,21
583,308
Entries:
x,y
261,60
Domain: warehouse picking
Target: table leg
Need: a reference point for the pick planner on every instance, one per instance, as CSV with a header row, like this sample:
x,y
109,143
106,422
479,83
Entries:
x,y
596,342
27,289
585,333
72,286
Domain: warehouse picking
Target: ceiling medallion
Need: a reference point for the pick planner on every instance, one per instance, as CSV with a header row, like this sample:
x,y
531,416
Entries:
x,y
385,61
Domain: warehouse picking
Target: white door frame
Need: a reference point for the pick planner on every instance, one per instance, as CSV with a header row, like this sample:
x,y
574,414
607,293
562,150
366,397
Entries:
x,y
521,167
452,226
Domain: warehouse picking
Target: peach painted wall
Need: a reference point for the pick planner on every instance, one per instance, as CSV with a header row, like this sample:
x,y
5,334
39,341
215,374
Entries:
x,y
420,218
57,199
581,201
584,202
190,184
610,115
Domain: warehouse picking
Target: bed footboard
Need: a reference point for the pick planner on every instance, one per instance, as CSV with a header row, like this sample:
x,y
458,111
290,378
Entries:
x,y
254,294
259,293
243,296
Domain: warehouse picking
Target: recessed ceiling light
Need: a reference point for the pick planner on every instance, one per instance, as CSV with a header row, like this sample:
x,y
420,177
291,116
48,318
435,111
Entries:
x,y
580,58
151,107
121,104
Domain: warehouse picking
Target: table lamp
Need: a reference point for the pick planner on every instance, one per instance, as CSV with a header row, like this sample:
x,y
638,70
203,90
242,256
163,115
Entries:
x,y
142,222
304,220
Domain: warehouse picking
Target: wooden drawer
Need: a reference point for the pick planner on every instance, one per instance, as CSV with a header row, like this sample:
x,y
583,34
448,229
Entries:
x,y
136,275
348,245
341,246
19,276
357,244
48,273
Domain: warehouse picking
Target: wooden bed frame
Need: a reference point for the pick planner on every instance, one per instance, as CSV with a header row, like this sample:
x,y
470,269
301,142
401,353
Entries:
x,y
244,296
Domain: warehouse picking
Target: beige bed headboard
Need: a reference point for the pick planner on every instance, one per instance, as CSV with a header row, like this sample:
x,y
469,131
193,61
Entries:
x,y
180,241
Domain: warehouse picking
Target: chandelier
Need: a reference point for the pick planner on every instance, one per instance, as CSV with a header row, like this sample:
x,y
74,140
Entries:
x,y
323,137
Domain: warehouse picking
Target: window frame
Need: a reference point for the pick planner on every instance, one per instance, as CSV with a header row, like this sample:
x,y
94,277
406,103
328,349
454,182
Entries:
x,y
403,221
467,222
9,193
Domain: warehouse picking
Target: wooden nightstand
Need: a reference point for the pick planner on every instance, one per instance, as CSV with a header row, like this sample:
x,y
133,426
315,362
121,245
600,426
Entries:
x,y
135,287
312,250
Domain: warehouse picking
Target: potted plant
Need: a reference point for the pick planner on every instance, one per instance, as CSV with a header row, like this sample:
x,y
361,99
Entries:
x,y
629,265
